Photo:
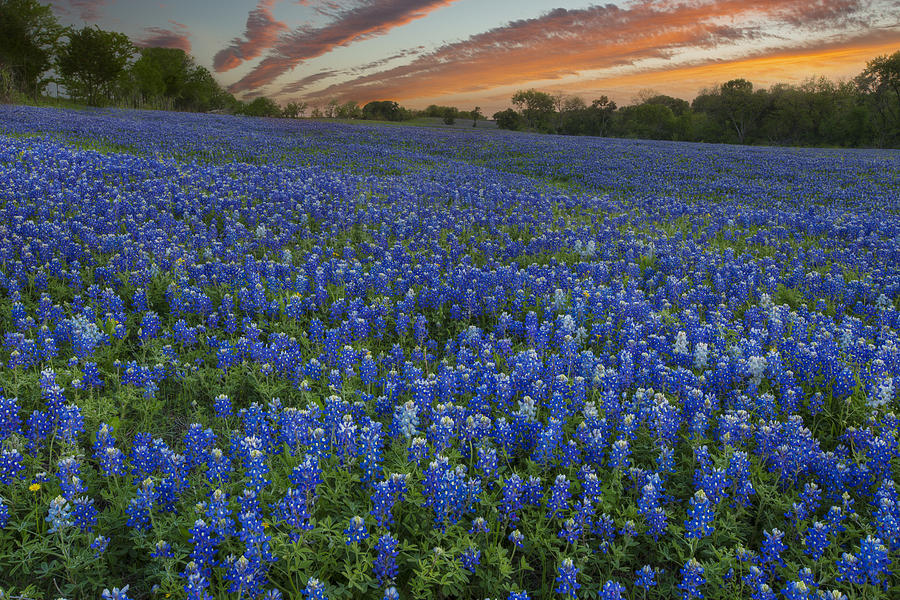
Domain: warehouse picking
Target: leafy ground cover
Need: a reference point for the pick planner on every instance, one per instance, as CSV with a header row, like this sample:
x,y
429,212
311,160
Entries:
x,y
249,358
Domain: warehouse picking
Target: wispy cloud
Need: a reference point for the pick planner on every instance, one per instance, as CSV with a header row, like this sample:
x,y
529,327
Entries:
x,y
348,25
835,58
305,82
87,10
564,42
261,32
159,37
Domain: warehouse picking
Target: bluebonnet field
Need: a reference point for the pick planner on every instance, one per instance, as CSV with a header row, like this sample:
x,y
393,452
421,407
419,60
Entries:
x,y
269,359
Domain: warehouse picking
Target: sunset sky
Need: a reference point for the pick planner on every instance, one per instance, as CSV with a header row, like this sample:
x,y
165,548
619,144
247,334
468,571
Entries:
x,y
479,52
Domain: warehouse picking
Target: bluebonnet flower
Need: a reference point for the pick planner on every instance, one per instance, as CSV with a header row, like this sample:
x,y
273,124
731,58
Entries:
x,y
567,579
772,547
70,478
9,417
356,531
219,513
806,576
559,496
385,564
196,582
60,515
205,542
293,509
571,531
244,575
391,593
645,577
99,545
470,558
222,406
692,580
116,594
816,540
85,514
512,501
619,455
479,525
162,549
700,517
218,466
11,466
255,462
418,450
314,590
139,507
870,564
517,538
796,590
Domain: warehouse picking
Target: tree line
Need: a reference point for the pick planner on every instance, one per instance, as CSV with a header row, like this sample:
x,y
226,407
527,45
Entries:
x,y
864,111
98,67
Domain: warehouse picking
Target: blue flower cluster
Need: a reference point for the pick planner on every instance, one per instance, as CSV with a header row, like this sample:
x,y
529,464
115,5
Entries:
x,y
260,358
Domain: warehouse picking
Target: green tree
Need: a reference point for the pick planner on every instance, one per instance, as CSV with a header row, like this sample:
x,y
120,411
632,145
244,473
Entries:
x,y
29,34
262,107
294,109
91,62
449,114
739,107
476,114
508,119
676,105
161,73
879,84
349,110
537,108
603,110
201,92
382,110
647,120
850,122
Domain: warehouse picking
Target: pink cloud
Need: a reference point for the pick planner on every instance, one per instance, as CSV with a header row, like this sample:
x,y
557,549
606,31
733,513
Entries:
x,y
562,42
260,33
349,25
158,37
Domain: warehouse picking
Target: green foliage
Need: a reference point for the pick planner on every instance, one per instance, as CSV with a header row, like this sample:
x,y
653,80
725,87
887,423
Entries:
x,y
383,110
91,62
818,112
509,119
294,109
29,34
261,107
880,85
536,108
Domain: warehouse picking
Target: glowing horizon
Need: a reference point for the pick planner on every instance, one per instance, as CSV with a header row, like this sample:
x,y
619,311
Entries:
x,y
462,52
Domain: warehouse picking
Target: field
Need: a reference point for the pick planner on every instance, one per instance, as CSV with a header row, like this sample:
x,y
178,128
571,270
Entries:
x,y
248,358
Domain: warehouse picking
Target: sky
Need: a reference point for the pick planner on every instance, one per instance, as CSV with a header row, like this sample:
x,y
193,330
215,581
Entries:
x,y
469,53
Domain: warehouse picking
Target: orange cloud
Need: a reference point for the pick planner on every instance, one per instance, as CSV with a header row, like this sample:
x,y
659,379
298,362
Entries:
x,y
366,21
158,37
835,60
261,32
564,42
